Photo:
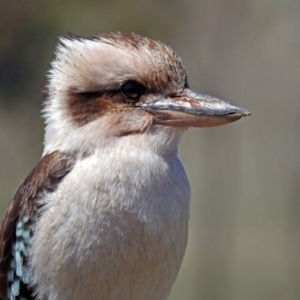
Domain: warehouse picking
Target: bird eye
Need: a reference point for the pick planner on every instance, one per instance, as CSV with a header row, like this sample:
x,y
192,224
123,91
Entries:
x,y
132,90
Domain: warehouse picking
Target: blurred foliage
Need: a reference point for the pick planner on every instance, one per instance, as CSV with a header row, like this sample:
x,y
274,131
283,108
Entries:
x,y
244,229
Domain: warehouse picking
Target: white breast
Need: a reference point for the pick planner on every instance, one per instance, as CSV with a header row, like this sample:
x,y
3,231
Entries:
x,y
115,229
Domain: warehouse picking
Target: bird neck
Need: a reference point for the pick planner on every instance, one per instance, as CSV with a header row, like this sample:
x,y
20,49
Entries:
x,y
159,140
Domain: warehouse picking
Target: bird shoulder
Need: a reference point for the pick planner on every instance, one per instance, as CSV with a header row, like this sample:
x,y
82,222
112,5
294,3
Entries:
x,y
16,228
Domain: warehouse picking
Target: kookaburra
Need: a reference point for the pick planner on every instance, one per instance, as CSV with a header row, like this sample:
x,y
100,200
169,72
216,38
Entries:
x,y
104,214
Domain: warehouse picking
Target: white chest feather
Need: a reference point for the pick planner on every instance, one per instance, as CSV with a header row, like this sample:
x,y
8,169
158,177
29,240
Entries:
x,y
115,229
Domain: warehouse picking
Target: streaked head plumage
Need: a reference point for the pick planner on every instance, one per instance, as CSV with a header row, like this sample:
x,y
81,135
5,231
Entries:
x,y
105,61
117,84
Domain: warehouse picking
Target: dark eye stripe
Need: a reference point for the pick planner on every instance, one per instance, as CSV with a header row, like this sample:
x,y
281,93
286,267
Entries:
x,y
186,84
131,90
91,95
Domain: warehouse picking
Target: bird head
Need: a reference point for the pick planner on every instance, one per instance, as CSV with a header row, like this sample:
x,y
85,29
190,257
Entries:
x,y
115,85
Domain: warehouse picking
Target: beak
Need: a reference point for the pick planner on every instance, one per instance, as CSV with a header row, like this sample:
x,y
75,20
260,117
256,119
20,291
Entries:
x,y
193,109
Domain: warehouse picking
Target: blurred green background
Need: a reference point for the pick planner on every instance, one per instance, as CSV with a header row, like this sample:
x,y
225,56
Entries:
x,y
244,239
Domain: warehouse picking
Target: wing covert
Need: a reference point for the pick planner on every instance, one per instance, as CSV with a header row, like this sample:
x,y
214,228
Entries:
x,y
16,227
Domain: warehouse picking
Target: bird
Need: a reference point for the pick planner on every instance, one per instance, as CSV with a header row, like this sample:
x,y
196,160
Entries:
x,y
104,213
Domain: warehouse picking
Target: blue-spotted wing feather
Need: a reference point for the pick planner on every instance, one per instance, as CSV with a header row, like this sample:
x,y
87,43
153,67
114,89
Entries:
x,y
18,224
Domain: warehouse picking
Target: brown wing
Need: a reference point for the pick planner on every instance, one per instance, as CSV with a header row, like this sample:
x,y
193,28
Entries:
x,y
24,207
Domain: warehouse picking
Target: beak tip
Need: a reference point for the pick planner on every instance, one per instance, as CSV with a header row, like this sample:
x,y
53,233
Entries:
x,y
246,113
241,113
